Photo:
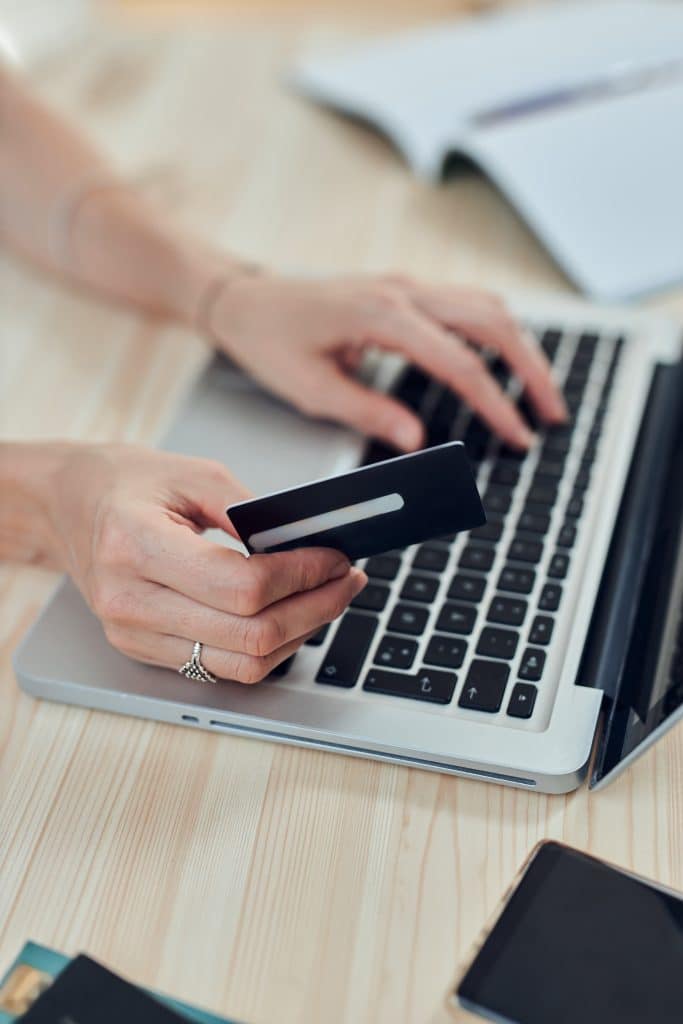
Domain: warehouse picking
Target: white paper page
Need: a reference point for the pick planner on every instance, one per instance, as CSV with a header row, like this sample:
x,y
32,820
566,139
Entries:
x,y
602,184
421,88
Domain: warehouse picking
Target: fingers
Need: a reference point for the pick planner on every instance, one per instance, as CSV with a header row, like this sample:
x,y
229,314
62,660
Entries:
x,y
263,641
172,652
371,412
210,487
446,357
485,320
149,608
226,580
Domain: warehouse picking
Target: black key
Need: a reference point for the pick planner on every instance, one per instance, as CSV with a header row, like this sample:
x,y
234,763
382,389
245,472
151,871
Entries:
x,y
583,478
523,550
477,556
557,442
587,343
534,519
476,439
575,507
550,342
509,611
542,493
490,531
467,588
541,630
589,453
549,469
376,451
504,473
383,567
500,371
373,598
520,581
577,378
429,684
529,412
442,419
497,643
319,638
408,618
281,670
346,654
412,387
511,454
394,652
419,588
484,686
566,536
573,400
456,618
446,651
497,500
531,665
431,558
559,564
549,601
522,700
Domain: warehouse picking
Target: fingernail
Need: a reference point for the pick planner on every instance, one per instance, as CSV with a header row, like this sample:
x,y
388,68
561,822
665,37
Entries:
x,y
561,408
359,580
340,569
527,437
407,436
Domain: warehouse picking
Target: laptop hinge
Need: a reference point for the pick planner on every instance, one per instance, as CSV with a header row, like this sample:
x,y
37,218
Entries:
x,y
621,589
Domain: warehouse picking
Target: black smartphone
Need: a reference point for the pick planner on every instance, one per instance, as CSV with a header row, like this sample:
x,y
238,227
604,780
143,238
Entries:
x,y
578,941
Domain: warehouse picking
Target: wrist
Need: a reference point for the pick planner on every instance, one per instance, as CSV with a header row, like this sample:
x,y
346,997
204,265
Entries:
x,y
28,476
203,277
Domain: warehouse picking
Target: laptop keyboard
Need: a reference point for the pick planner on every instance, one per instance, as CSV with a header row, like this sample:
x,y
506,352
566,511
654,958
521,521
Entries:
x,y
468,620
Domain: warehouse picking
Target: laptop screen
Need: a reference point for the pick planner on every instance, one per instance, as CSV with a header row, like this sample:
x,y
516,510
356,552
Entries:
x,y
650,697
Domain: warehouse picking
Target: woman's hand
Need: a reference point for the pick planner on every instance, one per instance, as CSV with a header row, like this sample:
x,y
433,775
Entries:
x,y
303,339
127,525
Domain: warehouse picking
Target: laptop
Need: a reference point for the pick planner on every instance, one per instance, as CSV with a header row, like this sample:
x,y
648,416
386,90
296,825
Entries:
x,y
558,624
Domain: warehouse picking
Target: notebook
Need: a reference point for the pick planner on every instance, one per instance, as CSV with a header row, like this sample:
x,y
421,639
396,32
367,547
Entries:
x,y
47,965
573,109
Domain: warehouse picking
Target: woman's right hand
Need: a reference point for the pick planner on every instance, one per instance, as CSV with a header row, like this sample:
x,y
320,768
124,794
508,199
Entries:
x,y
127,525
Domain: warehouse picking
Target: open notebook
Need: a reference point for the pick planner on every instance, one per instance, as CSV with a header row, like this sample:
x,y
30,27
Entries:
x,y
574,110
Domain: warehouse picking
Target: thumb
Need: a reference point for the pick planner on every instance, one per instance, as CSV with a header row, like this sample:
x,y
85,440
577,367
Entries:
x,y
216,489
372,412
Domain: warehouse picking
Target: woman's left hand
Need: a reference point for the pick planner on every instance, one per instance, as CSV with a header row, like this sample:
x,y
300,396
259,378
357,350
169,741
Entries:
x,y
303,339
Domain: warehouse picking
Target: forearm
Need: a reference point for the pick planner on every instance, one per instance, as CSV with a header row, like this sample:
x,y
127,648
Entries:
x,y
65,208
27,474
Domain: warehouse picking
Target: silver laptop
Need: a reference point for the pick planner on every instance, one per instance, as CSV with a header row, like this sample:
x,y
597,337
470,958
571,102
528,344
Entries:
x,y
558,623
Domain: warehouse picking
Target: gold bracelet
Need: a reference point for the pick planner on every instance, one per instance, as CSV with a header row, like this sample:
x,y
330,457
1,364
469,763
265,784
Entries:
x,y
214,291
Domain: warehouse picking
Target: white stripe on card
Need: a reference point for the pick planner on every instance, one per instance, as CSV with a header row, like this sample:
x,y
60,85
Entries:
x,y
326,521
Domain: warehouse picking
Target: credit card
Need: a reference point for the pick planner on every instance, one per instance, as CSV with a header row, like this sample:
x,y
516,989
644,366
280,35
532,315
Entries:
x,y
392,504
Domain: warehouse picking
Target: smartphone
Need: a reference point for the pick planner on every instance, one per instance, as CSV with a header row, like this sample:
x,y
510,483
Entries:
x,y
578,941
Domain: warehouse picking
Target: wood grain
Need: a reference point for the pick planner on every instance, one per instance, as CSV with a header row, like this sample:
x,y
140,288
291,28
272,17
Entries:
x,y
265,882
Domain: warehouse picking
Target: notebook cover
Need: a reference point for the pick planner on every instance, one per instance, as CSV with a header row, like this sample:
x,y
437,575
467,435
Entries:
x,y
50,962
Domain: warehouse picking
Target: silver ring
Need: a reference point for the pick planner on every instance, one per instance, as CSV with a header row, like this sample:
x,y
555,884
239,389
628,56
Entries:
x,y
193,669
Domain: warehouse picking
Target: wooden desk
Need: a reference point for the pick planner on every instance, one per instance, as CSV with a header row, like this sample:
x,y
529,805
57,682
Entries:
x,y
270,883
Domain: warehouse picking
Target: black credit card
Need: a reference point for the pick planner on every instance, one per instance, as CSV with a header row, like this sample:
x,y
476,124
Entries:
x,y
87,993
392,504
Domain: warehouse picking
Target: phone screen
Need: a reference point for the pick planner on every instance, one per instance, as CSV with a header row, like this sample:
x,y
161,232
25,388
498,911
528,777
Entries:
x,y
580,943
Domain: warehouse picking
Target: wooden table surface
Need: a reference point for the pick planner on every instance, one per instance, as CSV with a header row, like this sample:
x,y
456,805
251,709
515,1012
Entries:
x,y
265,882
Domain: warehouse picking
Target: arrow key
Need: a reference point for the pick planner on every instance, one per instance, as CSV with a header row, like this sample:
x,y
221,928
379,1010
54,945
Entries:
x,y
484,686
522,700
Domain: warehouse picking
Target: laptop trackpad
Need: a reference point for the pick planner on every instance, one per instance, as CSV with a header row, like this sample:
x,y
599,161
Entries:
x,y
264,442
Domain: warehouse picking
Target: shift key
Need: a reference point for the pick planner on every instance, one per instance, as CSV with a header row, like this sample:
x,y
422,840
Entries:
x,y
347,652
